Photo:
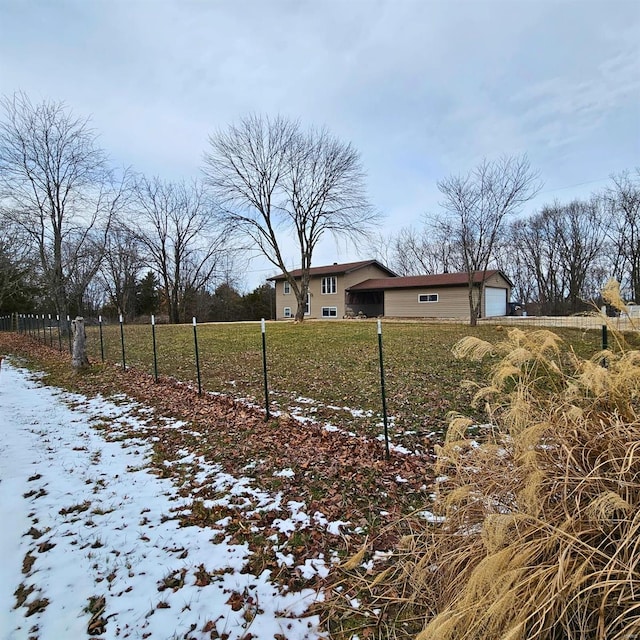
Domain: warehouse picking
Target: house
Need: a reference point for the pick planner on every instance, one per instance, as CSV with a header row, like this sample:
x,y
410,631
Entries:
x,y
327,288
371,289
444,295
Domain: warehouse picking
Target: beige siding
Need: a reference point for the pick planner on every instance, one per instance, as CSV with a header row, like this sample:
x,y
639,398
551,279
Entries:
x,y
366,273
319,299
283,301
453,302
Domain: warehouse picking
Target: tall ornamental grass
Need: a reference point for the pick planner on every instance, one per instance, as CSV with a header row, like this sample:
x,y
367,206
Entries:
x,y
538,535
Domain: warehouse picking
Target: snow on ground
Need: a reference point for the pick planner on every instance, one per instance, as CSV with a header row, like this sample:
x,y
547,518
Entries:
x,y
90,540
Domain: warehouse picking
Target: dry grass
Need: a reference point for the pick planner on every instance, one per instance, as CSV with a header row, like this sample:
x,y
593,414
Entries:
x,y
540,538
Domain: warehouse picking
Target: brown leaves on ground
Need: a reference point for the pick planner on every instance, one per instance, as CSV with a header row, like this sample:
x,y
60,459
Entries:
x,y
341,476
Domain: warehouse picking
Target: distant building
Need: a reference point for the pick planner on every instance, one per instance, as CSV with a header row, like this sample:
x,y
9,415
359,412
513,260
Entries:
x,y
371,289
327,288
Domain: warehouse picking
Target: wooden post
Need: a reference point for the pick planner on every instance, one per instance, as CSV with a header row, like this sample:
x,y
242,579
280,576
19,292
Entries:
x,y
79,358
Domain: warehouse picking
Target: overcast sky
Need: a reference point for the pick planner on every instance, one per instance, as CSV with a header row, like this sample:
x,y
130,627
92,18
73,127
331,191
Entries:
x,y
422,89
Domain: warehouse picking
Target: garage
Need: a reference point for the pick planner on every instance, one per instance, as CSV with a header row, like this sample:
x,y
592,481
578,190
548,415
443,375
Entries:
x,y
495,302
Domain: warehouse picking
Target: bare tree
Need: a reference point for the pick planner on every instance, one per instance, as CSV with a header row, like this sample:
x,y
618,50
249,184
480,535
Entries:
x,y
119,270
182,243
623,204
274,181
475,208
559,249
579,229
412,252
81,258
55,183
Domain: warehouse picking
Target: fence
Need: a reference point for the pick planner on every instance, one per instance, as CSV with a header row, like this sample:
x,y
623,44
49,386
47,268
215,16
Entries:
x,y
329,371
584,322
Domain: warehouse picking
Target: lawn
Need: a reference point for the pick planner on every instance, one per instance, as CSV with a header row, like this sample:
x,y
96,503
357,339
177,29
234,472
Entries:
x,y
328,371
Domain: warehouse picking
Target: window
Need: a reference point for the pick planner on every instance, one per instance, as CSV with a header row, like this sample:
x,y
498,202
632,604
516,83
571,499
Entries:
x,y
329,284
427,297
286,287
329,312
287,312
307,309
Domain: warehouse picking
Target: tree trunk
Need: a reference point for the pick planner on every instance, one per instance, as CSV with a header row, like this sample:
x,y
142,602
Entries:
x,y
79,359
473,309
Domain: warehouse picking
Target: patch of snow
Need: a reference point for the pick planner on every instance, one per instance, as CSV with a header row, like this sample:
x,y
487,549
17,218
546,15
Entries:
x,y
334,527
285,473
430,517
313,567
99,523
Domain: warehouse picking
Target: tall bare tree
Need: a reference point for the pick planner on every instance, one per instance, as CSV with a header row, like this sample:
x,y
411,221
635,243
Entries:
x,y
55,183
275,182
560,250
623,204
475,208
120,268
182,242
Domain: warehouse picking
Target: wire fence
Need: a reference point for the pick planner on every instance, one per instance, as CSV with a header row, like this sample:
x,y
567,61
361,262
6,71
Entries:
x,y
329,370
584,322
50,329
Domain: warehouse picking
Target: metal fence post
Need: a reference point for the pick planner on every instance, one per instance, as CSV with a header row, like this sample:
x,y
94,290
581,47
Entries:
x,y
264,369
69,334
59,333
101,338
155,355
384,396
124,362
195,341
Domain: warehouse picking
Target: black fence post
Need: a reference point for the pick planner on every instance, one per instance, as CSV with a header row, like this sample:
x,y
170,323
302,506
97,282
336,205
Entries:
x,y
50,331
384,395
101,338
155,353
605,343
124,361
59,333
264,369
69,334
195,342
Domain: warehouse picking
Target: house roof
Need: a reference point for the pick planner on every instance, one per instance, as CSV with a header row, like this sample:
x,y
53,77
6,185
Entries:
x,y
414,282
336,269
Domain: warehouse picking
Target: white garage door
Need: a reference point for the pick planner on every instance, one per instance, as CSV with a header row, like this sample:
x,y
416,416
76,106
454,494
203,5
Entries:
x,y
495,301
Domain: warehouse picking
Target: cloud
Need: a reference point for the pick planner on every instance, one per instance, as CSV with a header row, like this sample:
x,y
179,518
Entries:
x,y
422,88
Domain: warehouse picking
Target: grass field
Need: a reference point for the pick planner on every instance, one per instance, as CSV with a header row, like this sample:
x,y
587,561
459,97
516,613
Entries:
x,y
328,371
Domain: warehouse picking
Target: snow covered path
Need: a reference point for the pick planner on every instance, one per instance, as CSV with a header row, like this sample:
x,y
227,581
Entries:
x,y
89,541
